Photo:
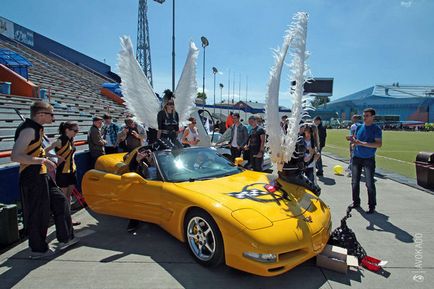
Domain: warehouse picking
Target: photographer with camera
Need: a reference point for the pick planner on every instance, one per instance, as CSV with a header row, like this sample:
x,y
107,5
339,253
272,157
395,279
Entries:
x,y
132,135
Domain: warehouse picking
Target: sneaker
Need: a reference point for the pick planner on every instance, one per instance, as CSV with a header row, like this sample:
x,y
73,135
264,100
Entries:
x,y
39,255
320,174
64,245
349,175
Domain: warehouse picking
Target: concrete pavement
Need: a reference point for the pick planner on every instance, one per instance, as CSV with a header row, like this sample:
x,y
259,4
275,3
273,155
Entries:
x,y
109,257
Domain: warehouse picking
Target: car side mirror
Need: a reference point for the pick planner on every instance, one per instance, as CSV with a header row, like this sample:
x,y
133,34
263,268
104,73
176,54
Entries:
x,y
238,161
132,178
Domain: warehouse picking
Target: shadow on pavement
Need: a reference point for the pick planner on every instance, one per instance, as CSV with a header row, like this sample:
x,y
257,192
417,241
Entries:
x,y
152,244
380,222
327,181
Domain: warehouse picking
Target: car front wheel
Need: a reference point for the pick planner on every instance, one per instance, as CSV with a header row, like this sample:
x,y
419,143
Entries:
x,y
203,238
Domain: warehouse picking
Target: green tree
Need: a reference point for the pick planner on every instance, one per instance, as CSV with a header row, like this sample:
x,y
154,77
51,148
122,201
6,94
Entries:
x,y
201,95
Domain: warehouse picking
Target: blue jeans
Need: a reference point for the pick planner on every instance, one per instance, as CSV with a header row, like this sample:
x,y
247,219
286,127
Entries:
x,y
356,170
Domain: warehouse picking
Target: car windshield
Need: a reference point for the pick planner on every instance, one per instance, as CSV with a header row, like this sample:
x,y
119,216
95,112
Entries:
x,y
193,164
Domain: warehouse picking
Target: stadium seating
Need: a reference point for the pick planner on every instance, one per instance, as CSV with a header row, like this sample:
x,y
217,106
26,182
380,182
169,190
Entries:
x,y
74,92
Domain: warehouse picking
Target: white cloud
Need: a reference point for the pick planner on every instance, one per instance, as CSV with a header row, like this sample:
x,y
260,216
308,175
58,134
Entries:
x,y
406,4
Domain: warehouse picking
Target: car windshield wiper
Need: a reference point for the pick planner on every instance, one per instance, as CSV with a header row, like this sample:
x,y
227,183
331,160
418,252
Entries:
x,y
200,179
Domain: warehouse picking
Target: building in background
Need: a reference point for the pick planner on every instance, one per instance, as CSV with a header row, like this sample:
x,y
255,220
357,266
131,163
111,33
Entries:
x,y
409,102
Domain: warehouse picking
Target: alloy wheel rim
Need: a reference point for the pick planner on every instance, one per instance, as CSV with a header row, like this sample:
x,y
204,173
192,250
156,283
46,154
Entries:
x,y
201,238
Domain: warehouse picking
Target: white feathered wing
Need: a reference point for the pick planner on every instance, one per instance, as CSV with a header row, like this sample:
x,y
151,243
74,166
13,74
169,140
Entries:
x,y
138,94
273,129
282,146
299,70
186,90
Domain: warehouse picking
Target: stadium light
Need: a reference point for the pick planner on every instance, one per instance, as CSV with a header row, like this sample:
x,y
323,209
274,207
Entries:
x,y
221,96
173,41
205,43
214,71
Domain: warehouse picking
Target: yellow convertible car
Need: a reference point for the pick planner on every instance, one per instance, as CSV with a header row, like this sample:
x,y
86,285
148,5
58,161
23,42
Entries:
x,y
223,213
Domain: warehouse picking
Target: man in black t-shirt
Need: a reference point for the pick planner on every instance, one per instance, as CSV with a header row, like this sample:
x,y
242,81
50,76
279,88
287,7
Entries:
x,y
256,144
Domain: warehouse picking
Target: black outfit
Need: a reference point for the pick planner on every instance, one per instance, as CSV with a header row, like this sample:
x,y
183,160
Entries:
x,y
39,195
168,123
322,133
293,170
255,147
65,172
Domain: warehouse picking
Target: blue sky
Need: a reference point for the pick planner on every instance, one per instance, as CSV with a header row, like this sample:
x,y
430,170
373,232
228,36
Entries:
x,y
358,42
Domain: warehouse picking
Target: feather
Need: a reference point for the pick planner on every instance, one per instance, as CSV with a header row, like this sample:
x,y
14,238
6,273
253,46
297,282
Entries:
x,y
299,70
138,94
272,123
186,90
282,146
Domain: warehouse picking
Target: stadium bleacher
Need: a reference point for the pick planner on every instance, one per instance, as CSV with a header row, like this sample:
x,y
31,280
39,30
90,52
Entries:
x,y
73,91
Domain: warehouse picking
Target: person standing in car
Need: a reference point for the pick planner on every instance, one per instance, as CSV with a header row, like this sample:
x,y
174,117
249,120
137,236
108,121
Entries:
x,y
168,118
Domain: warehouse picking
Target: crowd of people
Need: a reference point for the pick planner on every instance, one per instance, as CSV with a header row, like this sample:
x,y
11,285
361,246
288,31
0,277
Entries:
x,y
47,180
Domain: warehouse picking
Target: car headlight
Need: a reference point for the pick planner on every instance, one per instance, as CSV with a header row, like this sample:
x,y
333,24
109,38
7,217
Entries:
x,y
264,258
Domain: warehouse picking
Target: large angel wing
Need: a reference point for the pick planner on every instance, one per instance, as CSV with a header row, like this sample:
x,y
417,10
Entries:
x,y
272,123
186,90
299,70
282,146
138,94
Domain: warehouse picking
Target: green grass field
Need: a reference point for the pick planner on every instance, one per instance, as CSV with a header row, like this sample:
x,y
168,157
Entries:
x,y
397,154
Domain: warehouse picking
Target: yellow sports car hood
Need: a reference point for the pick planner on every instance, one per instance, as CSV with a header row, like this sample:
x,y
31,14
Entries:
x,y
247,191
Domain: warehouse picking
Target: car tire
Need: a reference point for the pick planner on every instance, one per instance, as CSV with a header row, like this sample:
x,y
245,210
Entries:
x,y
203,238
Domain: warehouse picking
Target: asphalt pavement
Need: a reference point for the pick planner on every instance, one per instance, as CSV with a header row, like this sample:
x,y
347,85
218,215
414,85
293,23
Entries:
x,y
401,232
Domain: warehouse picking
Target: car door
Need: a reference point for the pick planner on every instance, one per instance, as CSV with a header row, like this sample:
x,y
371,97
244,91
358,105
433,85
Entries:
x,y
128,195
140,198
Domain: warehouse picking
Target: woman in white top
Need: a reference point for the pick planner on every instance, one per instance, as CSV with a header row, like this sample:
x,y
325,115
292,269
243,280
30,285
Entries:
x,y
191,135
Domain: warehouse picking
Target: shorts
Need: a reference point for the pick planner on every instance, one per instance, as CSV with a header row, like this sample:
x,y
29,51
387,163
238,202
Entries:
x,y
65,180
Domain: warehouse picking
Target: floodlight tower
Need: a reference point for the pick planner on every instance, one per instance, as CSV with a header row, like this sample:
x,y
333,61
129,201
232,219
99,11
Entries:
x,y
143,51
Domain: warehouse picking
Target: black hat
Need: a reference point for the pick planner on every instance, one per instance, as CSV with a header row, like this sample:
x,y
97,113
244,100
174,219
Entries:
x,y
96,118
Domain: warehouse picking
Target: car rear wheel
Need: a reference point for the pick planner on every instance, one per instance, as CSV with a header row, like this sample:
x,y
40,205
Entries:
x,y
204,240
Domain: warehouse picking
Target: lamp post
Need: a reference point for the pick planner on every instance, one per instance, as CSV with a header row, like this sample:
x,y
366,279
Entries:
x,y
173,45
205,43
214,71
173,41
221,96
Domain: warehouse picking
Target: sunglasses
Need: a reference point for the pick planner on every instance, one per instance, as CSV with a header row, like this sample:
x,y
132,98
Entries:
x,y
75,130
170,103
